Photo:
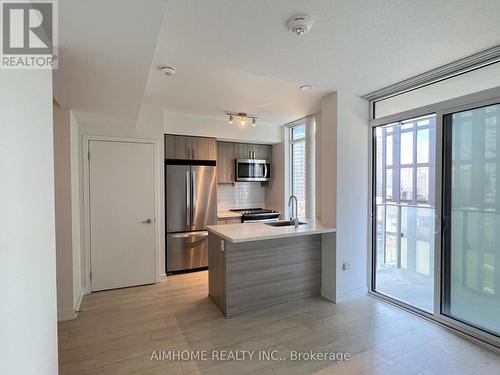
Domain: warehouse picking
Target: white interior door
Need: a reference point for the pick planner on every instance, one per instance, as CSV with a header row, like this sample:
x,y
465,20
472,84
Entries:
x,y
122,222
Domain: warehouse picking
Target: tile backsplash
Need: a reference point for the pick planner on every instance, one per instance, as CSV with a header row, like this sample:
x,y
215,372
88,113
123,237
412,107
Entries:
x,y
241,195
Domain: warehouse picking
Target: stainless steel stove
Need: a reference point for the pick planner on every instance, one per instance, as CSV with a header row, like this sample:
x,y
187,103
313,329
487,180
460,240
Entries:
x,y
257,214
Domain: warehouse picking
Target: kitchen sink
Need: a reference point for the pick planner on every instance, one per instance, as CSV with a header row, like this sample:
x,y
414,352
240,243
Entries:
x,y
286,223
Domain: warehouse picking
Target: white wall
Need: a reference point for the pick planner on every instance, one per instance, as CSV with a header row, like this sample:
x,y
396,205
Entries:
x,y
176,123
318,165
150,125
353,135
28,309
328,150
275,193
76,201
326,188
342,187
63,212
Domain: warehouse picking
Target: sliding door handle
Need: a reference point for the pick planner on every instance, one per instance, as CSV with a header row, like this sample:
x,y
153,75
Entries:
x,y
147,221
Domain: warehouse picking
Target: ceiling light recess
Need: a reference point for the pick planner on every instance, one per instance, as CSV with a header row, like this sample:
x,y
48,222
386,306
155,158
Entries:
x,y
300,24
169,71
243,118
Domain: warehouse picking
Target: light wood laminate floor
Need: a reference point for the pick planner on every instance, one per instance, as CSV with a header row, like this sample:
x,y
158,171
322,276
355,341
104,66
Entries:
x,y
117,332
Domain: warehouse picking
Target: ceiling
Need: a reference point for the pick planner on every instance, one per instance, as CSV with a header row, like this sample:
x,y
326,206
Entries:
x,y
105,53
237,55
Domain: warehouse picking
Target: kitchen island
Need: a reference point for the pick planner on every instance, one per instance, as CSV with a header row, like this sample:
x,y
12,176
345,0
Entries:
x,y
254,265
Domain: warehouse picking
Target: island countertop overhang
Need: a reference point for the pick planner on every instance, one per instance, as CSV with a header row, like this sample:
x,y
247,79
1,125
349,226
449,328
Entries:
x,y
247,232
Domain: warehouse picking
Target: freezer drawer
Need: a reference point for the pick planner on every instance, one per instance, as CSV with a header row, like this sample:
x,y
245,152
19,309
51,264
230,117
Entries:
x,y
187,250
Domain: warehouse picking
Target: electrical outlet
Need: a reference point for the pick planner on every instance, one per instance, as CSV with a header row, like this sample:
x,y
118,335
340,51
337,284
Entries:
x,y
222,244
346,266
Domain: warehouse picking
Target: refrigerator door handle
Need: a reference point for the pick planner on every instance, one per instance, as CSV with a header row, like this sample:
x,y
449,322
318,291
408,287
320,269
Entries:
x,y
190,234
188,199
193,189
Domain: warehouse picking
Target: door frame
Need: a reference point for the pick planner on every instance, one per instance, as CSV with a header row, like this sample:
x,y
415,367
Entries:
x,y
86,266
482,98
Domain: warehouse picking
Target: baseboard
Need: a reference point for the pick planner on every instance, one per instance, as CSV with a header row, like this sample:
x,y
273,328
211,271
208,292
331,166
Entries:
x,y
79,301
328,294
64,315
351,294
161,278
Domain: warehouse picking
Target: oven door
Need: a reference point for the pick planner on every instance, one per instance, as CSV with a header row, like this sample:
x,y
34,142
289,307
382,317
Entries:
x,y
263,218
253,170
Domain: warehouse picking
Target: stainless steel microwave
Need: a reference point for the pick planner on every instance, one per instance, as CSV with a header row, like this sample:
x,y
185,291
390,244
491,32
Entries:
x,y
253,170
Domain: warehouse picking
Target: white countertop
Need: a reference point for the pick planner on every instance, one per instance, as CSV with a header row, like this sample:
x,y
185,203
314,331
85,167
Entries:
x,y
247,232
227,214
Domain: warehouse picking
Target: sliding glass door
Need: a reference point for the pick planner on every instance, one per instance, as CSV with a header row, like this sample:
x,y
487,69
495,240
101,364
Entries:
x,y
471,213
436,212
404,211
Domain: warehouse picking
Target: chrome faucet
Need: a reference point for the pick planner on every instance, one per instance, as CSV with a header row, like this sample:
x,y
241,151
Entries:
x,y
296,218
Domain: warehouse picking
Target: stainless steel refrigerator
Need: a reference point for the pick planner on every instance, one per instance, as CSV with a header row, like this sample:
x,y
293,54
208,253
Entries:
x,y
191,205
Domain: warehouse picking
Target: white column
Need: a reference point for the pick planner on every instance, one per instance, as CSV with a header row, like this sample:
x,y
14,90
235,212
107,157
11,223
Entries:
x,y
353,139
28,313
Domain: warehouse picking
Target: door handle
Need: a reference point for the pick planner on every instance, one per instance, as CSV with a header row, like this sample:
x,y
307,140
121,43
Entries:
x,y
188,199
190,234
193,190
148,221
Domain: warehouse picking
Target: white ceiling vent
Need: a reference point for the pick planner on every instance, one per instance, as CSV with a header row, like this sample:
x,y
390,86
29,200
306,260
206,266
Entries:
x,y
300,24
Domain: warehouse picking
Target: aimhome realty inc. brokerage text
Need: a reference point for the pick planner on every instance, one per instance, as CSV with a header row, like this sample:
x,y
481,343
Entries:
x,y
247,355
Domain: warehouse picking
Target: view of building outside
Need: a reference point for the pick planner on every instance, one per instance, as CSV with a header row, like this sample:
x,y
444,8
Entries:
x,y
298,166
473,293
404,199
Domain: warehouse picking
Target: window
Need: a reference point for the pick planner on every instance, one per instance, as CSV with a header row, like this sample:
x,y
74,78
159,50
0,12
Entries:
x,y
406,184
407,147
301,162
471,248
404,258
298,166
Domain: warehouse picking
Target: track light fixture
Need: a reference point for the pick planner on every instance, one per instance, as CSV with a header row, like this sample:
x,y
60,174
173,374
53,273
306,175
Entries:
x,y
243,118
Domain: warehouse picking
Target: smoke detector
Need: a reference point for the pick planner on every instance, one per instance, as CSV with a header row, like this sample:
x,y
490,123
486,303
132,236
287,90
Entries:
x,y
169,71
300,24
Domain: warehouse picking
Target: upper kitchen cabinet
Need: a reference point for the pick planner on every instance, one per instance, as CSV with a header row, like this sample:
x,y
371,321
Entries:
x,y
263,152
250,151
193,148
228,152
